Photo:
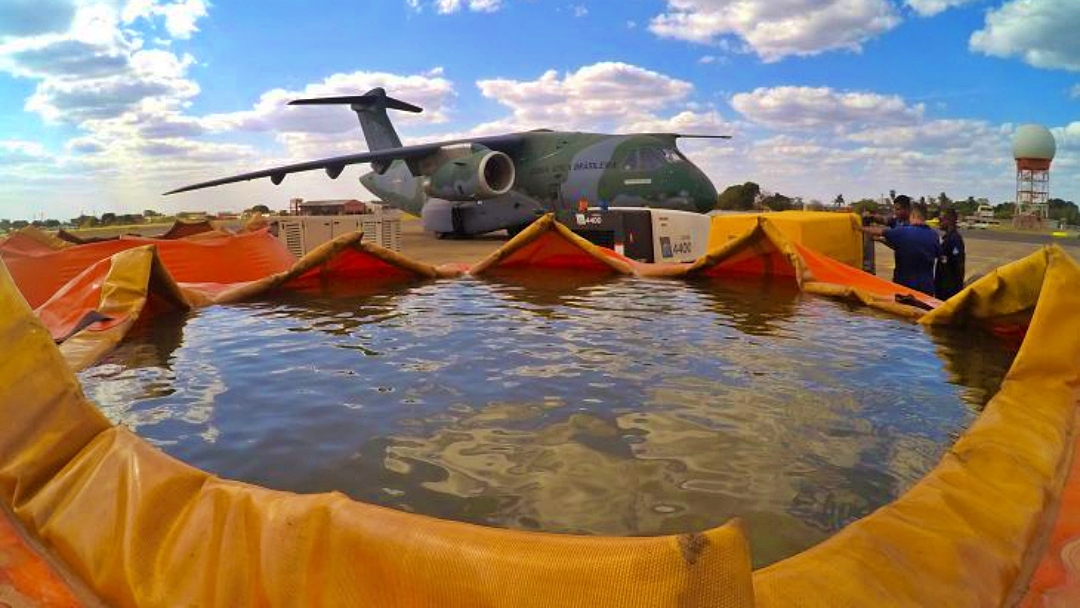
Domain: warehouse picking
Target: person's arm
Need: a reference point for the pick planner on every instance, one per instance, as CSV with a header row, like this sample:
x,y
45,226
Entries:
x,y
877,231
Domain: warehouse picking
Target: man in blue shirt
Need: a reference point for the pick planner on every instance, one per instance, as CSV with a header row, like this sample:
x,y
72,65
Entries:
x,y
915,249
901,212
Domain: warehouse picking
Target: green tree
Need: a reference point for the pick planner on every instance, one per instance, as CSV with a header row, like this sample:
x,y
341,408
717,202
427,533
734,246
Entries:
x,y
263,209
739,197
967,207
1004,211
19,224
865,205
1067,211
150,213
84,221
776,202
108,219
5,225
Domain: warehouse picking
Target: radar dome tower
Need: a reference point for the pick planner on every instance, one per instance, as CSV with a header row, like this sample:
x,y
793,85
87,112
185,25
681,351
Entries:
x,y
1033,149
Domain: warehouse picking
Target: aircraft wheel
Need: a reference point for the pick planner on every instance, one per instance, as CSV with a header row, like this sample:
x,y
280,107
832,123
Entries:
x,y
442,236
516,230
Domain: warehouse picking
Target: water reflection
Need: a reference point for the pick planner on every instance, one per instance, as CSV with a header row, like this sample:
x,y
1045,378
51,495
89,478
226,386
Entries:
x,y
976,359
567,403
757,306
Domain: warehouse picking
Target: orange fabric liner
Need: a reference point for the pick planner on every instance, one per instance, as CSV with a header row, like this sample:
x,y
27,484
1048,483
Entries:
x,y
19,244
753,262
80,296
1056,581
25,572
352,264
226,259
552,250
828,270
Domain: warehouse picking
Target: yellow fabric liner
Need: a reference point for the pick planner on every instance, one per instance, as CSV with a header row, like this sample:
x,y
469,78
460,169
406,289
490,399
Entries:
x,y
962,535
1009,292
144,529
133,275
833,234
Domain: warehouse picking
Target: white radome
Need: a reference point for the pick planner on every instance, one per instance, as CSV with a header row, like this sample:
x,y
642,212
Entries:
x,y
1034,141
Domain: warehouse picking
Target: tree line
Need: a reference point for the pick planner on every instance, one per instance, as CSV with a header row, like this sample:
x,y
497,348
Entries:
x,y
749,196
105,220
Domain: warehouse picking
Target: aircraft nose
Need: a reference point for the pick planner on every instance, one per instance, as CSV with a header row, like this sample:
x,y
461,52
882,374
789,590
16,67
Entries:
x,y
705,195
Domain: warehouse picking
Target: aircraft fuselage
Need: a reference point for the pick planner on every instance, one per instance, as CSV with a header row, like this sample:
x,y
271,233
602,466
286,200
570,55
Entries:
x,y
555,171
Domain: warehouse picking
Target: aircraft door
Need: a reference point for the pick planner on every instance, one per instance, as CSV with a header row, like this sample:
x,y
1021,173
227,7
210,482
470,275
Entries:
x,y
555,193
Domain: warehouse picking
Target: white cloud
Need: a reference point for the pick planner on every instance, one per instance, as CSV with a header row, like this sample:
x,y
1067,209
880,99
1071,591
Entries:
x,y
936,134
1042,32
446,7
149,74
929,8
430,90
594,96
16,152
579,10
775,29
1067,137
180,17
1074,92
686,122
790,107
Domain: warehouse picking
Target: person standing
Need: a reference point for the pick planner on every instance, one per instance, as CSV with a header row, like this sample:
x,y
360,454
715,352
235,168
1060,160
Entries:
x,y
949,276
901,212
915,250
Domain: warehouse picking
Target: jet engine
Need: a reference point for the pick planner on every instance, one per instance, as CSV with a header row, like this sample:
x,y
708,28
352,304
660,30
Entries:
x,y
480,175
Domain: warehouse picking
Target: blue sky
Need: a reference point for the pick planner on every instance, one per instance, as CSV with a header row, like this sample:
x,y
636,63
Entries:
x,y
104,104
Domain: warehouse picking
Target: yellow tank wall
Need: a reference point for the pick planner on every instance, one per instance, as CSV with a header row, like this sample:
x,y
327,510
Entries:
x,y
836,235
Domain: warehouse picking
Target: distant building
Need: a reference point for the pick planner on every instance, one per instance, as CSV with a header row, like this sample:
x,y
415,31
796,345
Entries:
x,y
192,216
330,207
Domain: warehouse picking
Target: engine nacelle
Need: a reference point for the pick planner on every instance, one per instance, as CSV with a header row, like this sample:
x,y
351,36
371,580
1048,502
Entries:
x,y
477,176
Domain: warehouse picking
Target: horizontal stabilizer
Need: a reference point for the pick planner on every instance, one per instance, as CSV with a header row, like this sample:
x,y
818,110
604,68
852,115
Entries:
x,y
691,136
370,98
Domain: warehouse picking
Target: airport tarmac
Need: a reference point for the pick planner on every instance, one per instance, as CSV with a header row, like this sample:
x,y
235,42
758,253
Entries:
x,y
986,250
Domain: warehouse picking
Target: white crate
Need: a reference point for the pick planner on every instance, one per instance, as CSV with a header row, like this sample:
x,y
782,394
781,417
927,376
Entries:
x,y
301,234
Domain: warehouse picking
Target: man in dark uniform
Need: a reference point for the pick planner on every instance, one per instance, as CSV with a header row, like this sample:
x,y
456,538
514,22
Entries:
x,y
949,276
915,249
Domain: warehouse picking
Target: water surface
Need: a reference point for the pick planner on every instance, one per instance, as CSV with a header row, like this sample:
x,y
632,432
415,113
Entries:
x,y
581,405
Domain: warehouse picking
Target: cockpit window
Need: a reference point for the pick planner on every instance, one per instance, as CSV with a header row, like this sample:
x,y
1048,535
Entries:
x,y
649,159
672,156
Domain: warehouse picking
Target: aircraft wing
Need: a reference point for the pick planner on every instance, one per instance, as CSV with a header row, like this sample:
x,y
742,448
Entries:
x,y
334,166
688,136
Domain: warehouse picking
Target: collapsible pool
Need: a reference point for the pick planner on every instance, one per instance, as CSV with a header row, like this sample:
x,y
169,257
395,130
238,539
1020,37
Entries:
x,y
635,435
562,404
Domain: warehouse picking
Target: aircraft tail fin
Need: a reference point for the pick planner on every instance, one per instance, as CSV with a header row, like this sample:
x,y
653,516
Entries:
x,y
371,109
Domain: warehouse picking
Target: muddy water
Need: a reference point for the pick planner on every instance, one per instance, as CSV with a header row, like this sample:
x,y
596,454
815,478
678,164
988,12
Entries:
x,y
576,405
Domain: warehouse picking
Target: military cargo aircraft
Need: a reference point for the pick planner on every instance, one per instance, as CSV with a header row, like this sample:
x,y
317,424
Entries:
x,y
471,186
